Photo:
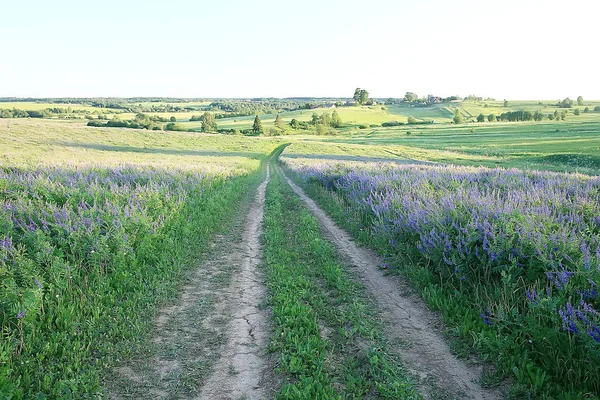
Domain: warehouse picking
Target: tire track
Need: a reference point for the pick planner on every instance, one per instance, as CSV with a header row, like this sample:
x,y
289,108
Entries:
x,y
211,344
243,370
438,372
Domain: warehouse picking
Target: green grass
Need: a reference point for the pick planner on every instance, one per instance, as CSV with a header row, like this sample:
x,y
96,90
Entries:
x,y
329,340
571,145
89,293
32,142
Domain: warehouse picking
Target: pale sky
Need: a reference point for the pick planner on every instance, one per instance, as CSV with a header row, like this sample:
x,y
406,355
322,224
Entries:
x,y
514,49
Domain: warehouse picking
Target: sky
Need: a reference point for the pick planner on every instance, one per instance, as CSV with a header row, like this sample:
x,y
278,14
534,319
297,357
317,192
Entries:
x,y
506,49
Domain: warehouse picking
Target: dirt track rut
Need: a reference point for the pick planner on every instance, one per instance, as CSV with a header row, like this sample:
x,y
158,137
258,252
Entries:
x,y
242,370
211,343
438,372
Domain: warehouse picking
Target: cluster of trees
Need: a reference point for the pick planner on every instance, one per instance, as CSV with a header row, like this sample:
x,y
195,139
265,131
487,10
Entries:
x,y
43,113
141,121
361,96
568,103
323,124
236,108
516,116
414,99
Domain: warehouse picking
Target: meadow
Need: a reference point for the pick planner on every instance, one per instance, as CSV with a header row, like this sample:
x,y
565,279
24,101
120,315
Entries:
x,y
495,224
97,229
509,258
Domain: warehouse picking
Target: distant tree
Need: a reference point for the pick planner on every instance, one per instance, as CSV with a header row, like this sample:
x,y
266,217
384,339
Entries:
x,y
551,117
361,96
556,114
173,119
294,124
481,118
410,97
576,111
314,119
209,123
172,126
336,120
505,103
257,126
491,118
279,121
538,116
586,110
325,119
485,105
597,108
579,101
566,103
411,120
458,117
563,115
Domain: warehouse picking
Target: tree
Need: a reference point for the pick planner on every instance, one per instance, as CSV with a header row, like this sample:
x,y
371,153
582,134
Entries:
x,y
579,101
336,120
586,110
172,126
173,119
538,116
279,122
325,119
566,103
411,120
556,115
360,96
481,118
576,111
551,117
410,97
209,123
458,118
505,103
492,118
314,119
257,126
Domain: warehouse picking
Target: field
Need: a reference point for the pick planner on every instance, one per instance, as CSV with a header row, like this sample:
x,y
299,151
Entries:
x,y
432,260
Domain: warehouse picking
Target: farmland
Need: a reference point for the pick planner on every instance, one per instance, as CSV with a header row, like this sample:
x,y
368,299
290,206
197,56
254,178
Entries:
x,y
133,261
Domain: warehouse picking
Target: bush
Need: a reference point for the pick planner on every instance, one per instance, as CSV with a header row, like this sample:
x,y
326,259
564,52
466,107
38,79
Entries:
x,y
364,126
172,126
392,123
597,108
411,120
577,111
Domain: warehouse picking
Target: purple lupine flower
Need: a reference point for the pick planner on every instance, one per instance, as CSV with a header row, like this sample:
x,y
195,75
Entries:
x,y
532,296
21,315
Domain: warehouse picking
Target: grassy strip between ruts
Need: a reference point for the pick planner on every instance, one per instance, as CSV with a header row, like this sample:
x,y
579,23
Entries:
x,y
330,341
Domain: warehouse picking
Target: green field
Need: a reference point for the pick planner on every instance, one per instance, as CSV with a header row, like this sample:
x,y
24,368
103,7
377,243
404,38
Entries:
x,y
103,229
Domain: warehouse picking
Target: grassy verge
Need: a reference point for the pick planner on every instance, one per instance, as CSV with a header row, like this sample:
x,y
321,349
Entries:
x,y
330,342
